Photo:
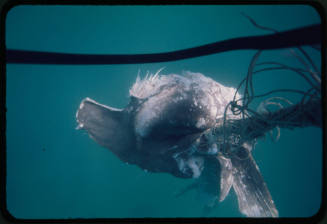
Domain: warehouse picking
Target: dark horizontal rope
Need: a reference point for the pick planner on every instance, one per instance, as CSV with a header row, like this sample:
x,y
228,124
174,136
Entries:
x,y
309,35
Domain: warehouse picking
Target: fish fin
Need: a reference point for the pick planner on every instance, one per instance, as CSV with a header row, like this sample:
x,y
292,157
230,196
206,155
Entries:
x,y
226,179
106,125
254,199
209,182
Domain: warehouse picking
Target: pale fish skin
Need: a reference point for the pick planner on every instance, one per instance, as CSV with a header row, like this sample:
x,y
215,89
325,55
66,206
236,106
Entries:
x,y
166,127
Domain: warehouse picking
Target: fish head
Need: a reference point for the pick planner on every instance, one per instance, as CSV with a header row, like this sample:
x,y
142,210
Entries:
x,y
161,127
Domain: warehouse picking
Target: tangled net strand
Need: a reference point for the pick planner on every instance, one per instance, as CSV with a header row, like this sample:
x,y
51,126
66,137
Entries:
x,y
233,138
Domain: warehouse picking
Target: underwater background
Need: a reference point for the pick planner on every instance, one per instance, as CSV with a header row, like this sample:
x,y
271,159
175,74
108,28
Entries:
x,y
55,171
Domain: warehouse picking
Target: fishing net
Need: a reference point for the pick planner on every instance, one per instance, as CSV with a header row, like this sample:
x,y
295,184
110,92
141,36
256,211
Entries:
x,y
273,112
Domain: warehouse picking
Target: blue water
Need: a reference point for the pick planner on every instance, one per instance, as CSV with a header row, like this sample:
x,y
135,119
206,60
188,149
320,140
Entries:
x,y
55,171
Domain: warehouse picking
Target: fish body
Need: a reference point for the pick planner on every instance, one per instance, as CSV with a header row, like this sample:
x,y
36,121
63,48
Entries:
x,y
166,127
